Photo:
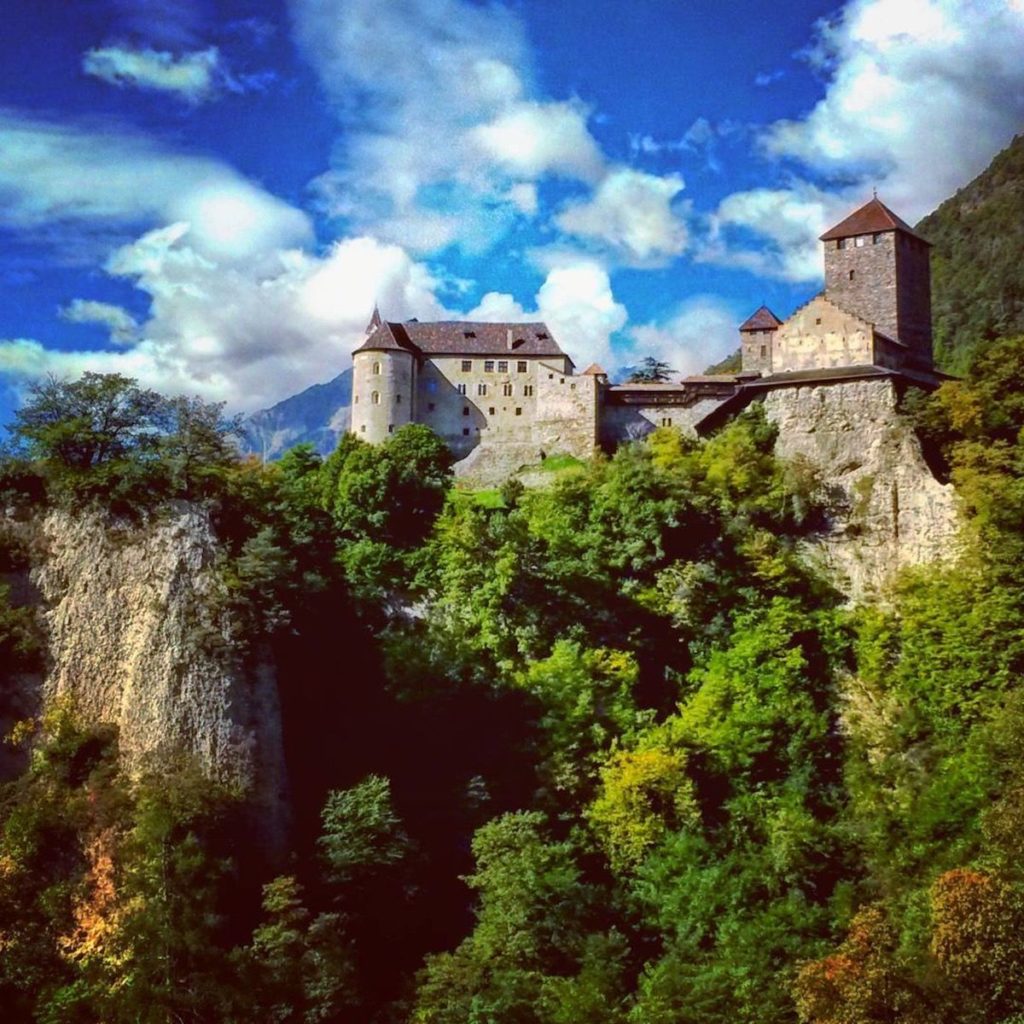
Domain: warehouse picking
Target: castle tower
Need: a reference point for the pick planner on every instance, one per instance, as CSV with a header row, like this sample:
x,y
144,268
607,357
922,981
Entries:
x,y
757,334
876,267
383,383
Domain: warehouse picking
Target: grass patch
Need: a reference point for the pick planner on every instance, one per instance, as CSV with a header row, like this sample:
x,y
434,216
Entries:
x,y
560,463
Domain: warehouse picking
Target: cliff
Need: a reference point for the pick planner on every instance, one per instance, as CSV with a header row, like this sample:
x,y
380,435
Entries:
x,y
138,637
886,509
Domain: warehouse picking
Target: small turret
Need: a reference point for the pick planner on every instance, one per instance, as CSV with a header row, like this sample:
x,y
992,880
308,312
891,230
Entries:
x,y
757,335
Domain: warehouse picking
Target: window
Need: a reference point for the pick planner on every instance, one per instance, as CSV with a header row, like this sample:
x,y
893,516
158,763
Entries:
x,y
572,387
431,407
521,366
506,390
490,411
519,411
840,243
376,367
467,365
462,389
764,351
469,334
375,398
876,238
861,239
666,421
465,431
391,428
817,320
488,366
527,390
363,428
851,275
465,410
355,399
551,376
502,366
398,399
481,389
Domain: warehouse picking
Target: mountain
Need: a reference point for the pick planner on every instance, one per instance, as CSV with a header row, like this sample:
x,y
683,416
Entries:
x,y
318,416
977,277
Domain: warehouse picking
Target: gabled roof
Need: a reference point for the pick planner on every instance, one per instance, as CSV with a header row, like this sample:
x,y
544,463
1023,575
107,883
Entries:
x,y
872,217
762,320
594,370
462,337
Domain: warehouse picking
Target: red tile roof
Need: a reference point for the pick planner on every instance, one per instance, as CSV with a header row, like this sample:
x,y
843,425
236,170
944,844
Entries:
x,y
594,370
461,337
763,320
873,216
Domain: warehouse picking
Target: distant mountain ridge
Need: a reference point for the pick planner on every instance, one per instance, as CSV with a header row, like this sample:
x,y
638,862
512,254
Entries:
x,y
317,416
977,237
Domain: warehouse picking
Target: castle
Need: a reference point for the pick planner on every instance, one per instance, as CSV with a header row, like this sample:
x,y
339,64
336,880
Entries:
x,y
502,395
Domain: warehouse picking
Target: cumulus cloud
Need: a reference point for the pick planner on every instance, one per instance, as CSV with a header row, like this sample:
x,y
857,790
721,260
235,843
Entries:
x,y
700,332
191,76
919,95
102,177
123,327
444,137
631,212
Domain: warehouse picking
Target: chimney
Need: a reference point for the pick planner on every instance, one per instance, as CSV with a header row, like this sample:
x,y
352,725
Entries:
x,y
508,338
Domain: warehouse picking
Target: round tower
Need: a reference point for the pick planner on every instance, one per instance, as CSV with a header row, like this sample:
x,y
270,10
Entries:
x,y
383,384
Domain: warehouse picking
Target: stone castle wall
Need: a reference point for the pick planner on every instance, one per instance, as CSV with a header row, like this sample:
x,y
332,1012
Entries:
x,y
821,336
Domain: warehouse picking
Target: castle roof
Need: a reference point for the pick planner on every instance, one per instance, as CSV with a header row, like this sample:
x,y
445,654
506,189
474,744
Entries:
x,y
463,338
594,370
762,320
874,216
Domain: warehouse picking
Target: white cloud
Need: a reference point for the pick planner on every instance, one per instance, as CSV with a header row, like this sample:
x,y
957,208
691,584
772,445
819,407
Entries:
x,y
631,211
123,327
702,331
101,177
919,95
533,139
191,76
772,232
443,135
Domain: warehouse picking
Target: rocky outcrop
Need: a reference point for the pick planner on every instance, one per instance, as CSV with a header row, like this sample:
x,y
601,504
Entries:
x,y
886,508
139,637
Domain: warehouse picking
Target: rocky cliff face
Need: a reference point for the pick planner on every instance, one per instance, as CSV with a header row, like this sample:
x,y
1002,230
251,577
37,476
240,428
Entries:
x,y
138,638
886,508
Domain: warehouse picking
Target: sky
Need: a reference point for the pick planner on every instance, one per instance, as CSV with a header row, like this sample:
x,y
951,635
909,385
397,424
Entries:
x,y
211,197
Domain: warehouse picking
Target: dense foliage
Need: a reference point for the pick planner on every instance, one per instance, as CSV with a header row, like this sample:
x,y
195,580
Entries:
x,y
977,283
607,751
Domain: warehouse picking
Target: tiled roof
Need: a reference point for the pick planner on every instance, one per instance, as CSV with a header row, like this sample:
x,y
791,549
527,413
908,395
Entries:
x,y
594,370
873,216
763,320
461,337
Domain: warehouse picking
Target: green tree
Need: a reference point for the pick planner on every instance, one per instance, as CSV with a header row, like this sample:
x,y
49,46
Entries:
x,y
650,371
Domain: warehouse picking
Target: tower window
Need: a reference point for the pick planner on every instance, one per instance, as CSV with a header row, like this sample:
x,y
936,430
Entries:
x,y
465,410
490,411
851,275
462,389
431,407
861,239
398,399
764,351
375,398
465,431
376,367
467,365
363,428
840,243
876,238
481,389
391,428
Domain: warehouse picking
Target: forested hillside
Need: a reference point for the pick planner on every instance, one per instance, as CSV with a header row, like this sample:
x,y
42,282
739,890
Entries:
x,y
977,278
606,752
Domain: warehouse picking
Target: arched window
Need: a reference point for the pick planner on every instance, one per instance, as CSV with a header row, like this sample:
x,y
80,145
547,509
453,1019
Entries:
x,y
376,367
375,398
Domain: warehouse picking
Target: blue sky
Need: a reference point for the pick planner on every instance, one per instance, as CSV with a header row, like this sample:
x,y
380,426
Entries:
x,y
211,197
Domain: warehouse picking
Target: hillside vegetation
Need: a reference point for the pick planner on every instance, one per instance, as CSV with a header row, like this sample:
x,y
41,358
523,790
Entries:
x,y
977,278
605,752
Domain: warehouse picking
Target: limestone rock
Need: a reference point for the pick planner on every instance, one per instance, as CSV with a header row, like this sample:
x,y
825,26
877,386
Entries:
x,y
137,638
886,508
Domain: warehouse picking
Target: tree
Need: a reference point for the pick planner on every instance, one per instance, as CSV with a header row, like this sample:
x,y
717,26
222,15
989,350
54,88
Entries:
x,y
650,371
